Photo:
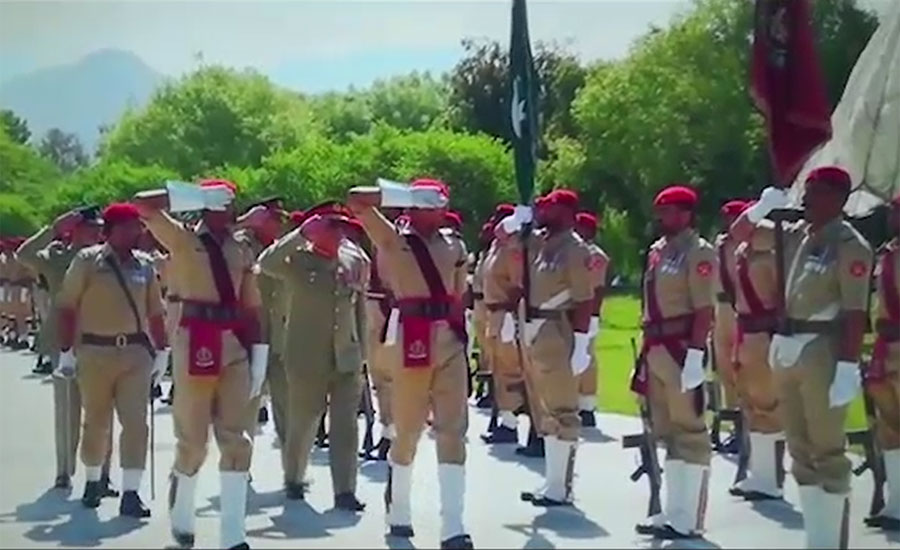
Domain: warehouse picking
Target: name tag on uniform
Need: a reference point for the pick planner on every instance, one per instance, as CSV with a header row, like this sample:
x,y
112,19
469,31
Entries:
x,y
138,277
672,264
818,261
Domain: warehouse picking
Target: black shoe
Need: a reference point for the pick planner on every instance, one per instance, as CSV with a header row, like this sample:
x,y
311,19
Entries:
x,y
155,392
756,496
106,488
534,449
132,506
588,420
666,532
183,540
384,447
263,416
647,529
544,502
736,491
62,482
93,492
885,523
402,531
295,491
459,542
241,546
486,402
731,446
348,501
501,434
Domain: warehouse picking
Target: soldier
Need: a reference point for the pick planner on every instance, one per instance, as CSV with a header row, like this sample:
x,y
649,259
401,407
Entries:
x,y
326,273
218,363
586,227
815,355
6,251
18,297
883,373
676,321
725,323
556,334
108,287
51,256
428,270
756,299
261,225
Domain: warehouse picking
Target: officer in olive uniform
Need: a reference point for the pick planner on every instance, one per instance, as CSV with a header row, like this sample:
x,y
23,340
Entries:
x,y
218,363
50,256
883,372
816,353
110,298
325,273
586,226
677,316
428,270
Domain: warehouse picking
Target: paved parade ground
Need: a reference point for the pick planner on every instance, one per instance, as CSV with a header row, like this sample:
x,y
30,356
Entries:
x,y
607,503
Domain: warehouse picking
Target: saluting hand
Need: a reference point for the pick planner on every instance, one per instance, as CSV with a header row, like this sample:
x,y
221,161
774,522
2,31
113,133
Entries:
x,y
66,222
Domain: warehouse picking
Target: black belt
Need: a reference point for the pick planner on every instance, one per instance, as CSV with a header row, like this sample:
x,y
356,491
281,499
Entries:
x,y
172,298
426,310
118,341
750,323
888,330
551,314
724,298
805,326
478,295
209,312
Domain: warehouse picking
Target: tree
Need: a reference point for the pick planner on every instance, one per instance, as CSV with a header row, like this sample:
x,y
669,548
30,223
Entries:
x,y
64,149
17,216
16,128
211,118
22,171
411,102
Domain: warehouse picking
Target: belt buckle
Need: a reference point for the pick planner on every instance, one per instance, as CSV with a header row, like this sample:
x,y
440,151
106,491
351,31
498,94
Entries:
x,y
121,341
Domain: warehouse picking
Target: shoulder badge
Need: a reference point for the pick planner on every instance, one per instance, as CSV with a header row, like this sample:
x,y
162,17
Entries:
x,y
858,269
704,268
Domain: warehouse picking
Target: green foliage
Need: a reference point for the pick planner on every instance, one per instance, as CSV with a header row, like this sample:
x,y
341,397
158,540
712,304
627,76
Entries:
x,y
22,170
63,149
17,216
14,127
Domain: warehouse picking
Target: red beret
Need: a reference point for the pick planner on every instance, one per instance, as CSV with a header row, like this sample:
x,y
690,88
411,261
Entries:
x,y
540,202
734,207
453,219
219,182
439,185
502,210
563,197
120,212
830,174
676,194
297,217
586,219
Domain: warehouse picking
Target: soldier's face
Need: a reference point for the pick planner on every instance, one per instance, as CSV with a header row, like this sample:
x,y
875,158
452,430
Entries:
x,y
671,218
585,232
822,203
86,234
125,235
727,220
218,221
426,220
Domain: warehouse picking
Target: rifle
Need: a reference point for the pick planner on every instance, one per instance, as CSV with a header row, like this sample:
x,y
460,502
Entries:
x,y
646,442
874,458
366,408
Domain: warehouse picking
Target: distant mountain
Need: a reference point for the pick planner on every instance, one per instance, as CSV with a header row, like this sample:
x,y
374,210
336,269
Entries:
x,y
82,96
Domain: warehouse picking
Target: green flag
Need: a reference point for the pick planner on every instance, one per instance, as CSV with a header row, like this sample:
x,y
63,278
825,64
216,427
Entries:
x,y
523,112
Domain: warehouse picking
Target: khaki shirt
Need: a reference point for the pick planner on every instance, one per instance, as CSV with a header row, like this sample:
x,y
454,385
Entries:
x,y
91,289
48,257
271,322
326,316
560,262
892,254
190,272
761,273
682,268
725,247
599,263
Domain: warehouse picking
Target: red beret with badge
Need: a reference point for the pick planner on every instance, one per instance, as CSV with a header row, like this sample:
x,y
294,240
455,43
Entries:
x,y
832,175
119,212
680,195
586,220
563,197
454,220
734,207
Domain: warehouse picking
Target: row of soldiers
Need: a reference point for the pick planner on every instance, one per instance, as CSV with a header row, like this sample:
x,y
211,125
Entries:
x,y
305,310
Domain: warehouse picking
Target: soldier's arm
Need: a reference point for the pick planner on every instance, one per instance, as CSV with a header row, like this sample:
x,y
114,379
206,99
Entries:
x,y
578,273
701,267
250,299
69,298
599,269
29,253
273,260
170,232
364,204
156,311
360,303
855,264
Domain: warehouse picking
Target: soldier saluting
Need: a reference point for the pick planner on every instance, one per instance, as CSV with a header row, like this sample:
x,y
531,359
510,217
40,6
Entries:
x,y
815,355
110,297
218,363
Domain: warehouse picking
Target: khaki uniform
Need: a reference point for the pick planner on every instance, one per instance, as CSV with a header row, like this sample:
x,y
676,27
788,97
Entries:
x,y
112,374
480,315
725,327
325,352
379,300
201,401
502,268
587,381
884,386
18,294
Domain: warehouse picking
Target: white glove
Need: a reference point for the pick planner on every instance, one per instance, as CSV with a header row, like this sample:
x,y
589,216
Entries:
x,y
846,384
67,365
772,198
517,219
508,328
390,334
394,194
186,196
428,197
594,327
692,374
259,361
23,294
160,362
581,356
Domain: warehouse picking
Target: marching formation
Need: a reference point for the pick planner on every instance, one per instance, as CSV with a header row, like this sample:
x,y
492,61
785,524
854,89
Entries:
x,y
307,311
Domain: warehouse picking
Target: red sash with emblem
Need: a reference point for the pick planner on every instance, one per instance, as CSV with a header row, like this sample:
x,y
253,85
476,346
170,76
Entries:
x,y
417,328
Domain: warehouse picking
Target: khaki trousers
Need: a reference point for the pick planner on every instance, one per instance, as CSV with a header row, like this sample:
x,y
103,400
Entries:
x,y
587,381
312,388
506,370
66,421
114,378
724,333
220,402
814,431
480,316
555,384
756,384
379,359
674,413
886,396
440,388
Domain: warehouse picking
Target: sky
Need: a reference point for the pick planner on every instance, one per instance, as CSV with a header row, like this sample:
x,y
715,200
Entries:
x,y
309,45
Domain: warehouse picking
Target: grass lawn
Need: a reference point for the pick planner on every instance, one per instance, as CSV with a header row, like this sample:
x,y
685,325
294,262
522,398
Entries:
x,y
620,323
